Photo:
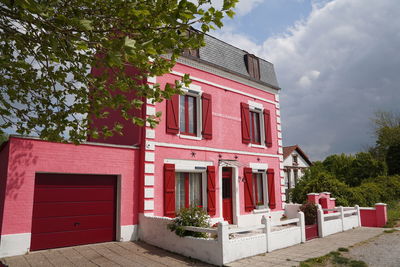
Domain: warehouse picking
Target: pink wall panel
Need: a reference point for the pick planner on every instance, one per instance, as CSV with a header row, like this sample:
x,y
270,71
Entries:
x,y
185,154
30,156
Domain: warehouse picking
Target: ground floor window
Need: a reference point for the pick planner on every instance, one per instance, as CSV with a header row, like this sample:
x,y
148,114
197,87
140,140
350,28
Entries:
x,y
188,190
258,183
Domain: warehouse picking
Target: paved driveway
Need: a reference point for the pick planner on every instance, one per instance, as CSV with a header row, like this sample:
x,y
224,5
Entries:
x,y
104,254
142,254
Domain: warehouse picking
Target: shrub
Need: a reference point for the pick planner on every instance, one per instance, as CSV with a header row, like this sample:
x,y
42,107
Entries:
x,y
393,159
310,213
193,216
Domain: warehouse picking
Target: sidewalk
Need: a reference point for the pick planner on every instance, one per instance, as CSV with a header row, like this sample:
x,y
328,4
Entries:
x,y
292,256
142,254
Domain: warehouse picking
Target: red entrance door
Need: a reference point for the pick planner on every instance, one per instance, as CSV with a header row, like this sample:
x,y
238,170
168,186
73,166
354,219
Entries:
x,y
227,194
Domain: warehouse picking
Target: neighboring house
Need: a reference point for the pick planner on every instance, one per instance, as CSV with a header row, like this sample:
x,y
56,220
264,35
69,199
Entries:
x,y
295,162
218,146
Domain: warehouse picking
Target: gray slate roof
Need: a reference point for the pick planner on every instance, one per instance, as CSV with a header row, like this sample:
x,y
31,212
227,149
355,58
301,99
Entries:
x,y
230,58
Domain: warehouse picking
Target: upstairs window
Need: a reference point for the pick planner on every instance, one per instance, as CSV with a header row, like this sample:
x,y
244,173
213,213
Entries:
x,y
183,115
188,114
252,66
256,125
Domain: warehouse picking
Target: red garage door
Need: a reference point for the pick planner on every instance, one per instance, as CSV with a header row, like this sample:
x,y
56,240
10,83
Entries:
x,y
72,209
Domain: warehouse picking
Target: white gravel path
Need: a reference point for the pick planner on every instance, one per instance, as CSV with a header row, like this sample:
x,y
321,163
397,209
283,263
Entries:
x,y
382,251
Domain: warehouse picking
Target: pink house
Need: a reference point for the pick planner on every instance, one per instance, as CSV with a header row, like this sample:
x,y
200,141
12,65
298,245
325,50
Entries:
x,y
218,146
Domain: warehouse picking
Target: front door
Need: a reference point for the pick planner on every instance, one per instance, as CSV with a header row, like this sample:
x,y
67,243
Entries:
x,y
227,194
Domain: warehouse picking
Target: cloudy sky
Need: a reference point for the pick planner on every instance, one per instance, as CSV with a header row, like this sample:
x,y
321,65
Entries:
x,y
337,63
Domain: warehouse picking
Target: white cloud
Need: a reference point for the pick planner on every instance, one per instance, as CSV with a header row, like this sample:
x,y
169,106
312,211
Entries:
x,y
242,8
245,6
336,68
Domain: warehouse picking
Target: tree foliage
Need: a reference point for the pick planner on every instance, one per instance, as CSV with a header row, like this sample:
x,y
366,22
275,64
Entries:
x,y
393,159
3,138
48,48
387,132
352,170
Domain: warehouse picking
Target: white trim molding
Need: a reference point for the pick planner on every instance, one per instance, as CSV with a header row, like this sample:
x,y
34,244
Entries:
x,y
149,205
15,244
129,233
149,180
228,88
161,144
189,165
259,166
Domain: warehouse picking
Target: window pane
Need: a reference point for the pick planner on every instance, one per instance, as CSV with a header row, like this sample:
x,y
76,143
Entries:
x,y
195,189
255,127
179,191
260,193
258,188
192,114
182,125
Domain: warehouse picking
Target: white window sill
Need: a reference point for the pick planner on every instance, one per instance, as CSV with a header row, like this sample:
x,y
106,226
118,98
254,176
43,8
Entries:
x,y
258,146
258,211
189,137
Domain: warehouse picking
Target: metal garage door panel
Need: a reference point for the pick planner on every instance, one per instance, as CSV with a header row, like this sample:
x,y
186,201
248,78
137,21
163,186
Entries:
x,y
73,210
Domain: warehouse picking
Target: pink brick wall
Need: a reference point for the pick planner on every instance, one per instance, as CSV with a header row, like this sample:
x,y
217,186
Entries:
x,y
374,217
226,122
27,156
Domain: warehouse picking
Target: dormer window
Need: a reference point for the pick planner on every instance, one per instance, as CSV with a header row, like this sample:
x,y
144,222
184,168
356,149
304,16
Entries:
x,y
191,52
295,160
252,66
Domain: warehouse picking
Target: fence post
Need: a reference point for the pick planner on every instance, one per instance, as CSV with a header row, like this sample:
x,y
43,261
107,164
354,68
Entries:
x,y
266,220
223,238
341,210
358,215
381,214
320,218
302,225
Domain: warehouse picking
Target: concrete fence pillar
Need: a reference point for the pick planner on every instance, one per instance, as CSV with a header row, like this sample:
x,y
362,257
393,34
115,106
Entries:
x,y
223,239
381,214
313,198
341,210
266,220
320,219
302,225
357,208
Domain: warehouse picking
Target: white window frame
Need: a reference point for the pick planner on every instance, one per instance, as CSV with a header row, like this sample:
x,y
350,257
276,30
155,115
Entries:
x,y
203,185
196,166
195,91
259,108
265,188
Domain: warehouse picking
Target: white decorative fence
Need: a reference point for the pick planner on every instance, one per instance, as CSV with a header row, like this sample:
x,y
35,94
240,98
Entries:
x,y
337,220
229,244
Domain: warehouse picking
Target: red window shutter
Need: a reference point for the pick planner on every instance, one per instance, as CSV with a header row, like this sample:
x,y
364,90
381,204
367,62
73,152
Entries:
x,y
245,113
169,190
248,190
206,106
267,126
211,193
173,115
271,188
